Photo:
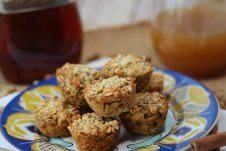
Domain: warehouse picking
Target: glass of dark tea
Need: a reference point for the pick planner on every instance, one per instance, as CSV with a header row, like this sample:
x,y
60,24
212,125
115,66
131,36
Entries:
x,y
190,36
38,36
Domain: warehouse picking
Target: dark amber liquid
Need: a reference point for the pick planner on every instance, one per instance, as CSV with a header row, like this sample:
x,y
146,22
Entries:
x,y
191,41
35,43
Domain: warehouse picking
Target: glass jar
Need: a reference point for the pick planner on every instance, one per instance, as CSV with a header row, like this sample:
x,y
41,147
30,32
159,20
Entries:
x,y
190,36
38,36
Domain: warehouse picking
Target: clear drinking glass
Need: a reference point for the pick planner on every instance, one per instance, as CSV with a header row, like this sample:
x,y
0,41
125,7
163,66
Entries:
x,y
37,36
190,36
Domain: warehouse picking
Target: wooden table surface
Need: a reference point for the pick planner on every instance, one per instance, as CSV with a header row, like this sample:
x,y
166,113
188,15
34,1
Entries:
x,y
104,36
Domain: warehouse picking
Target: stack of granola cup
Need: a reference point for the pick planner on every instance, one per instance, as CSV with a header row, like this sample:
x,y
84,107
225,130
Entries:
x,y
127,88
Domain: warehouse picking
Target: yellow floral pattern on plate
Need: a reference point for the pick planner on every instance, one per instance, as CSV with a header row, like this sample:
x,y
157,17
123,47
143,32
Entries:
x,y
17,124
187,129
31,99
40,146
169,83
188,101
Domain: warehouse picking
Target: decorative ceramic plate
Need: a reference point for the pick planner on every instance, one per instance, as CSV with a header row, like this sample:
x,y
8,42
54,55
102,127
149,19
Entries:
x,y
193,113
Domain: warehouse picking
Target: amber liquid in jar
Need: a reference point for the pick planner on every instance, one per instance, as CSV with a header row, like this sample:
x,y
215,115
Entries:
x,y
35,43
191,41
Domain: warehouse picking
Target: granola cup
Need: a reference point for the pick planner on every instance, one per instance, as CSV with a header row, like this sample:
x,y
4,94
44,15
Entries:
x,y
74,112
112,96
129,66
51,119
156,83
72,79
92,133
148,116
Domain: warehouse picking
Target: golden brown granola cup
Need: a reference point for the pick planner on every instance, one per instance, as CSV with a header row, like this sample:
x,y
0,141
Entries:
x,y
143,81
75,112
129,66
111,96
148,116
51,119
92,133
156,83
72,79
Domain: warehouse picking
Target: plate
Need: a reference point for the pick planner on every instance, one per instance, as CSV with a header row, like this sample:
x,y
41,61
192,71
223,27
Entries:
x,y
193,113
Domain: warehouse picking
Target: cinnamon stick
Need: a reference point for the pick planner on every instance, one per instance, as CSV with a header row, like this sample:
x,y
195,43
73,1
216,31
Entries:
x,y
214,130
209,142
